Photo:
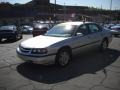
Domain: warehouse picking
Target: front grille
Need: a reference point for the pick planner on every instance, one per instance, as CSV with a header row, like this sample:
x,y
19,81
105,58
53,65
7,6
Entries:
x,y
25,50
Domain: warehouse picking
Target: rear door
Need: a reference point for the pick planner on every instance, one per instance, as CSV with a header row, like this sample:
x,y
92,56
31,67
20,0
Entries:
x,y
95,35
80,41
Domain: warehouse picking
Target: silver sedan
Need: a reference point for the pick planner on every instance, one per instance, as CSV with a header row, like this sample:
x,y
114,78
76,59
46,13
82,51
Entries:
x,y
61,42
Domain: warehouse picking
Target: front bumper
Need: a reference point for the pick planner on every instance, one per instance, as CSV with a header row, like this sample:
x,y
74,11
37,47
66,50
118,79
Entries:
x,y
48,59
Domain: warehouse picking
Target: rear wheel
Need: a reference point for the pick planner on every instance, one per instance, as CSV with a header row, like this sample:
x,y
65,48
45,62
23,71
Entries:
x,y
63,57
21,36
15,38
0,39
104,45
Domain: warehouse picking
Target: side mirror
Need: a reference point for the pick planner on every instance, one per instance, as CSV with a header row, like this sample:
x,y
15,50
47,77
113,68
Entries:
x,y
79,34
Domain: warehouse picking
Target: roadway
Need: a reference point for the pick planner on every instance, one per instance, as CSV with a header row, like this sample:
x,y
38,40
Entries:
x,y
93,70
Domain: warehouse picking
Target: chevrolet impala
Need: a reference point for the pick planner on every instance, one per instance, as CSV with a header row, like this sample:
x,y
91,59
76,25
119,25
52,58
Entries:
x,y
60,43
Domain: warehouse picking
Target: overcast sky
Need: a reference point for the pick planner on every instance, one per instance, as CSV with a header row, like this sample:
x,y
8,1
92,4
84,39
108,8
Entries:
x,y
105,4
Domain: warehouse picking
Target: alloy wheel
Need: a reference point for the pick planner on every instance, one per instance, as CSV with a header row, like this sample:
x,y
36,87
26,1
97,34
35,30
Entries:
x,y
63,58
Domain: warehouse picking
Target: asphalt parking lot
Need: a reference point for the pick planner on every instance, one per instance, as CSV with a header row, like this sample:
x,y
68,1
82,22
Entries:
x,y
90,71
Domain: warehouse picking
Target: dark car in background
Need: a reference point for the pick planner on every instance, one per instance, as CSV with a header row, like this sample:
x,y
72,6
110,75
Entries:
x,y
40,29
10,32
26,29
108,26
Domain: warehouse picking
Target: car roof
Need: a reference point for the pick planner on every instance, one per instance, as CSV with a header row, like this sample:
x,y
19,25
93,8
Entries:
x,y
75,23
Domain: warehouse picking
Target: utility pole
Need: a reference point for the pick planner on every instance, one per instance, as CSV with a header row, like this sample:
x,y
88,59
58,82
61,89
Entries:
x,y
101,6
110,5
64,10
55,12
110,11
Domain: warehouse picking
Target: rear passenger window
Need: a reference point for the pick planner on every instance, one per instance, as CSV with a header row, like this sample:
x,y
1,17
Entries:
x,y
94,28
83,29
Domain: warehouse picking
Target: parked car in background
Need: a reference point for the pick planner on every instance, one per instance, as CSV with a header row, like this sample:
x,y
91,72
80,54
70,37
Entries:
x,y
40,29
26,29
108,26
115,30
60,43
10,32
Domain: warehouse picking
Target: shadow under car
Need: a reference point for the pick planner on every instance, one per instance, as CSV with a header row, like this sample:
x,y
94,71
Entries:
x,y
88,63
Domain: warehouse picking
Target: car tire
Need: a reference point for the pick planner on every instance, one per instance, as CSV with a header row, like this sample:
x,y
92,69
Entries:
x,y
116,35
15,38
21,36
0,39
104,45
63,57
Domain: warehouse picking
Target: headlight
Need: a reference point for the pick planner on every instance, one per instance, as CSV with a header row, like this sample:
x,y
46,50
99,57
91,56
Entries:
x,y
39,51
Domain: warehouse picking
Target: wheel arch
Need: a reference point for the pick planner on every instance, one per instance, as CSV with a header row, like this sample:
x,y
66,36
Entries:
x,y
105,38
65,47
69,50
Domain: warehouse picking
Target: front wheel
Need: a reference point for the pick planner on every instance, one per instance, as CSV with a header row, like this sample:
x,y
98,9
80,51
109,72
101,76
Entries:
x,y
63,57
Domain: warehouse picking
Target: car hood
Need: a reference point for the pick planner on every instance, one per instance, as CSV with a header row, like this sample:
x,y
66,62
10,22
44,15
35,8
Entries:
x,y
41,41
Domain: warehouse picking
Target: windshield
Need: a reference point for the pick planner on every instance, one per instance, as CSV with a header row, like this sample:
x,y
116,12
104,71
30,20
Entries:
x,y
61,30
